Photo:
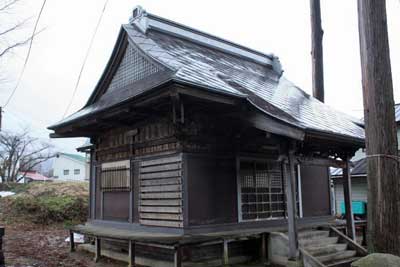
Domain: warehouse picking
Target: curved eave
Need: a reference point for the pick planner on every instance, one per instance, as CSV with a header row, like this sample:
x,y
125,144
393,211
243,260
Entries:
x,y
313,133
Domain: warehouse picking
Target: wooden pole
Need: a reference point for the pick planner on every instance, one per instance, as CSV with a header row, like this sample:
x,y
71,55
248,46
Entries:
x,y
317,55
132,253
380,129
263,248
178,256
225,253
97,244
71,241
351,232
2,261
291,207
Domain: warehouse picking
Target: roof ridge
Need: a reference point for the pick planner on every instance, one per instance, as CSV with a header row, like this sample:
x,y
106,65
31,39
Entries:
x,y
146,21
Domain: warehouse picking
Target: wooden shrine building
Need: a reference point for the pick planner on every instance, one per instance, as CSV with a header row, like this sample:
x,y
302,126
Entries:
x,y
196,138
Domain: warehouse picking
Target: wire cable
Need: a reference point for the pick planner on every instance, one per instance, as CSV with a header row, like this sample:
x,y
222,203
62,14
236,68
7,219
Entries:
x,y
27,56
85,59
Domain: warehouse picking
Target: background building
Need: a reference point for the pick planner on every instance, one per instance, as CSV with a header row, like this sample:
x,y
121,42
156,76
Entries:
x,y
358,173
70,167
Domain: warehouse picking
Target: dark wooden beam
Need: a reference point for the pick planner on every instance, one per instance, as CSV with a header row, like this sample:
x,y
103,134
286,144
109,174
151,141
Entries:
x,y
348,200
290,177
321,162
208,96
267,123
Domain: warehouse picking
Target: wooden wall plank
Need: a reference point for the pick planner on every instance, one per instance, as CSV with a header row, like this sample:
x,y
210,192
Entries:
x,y
162,223
161,168
164,181
160,209
162,216
162,202
161,161
161,188
161,195
159,175
161,192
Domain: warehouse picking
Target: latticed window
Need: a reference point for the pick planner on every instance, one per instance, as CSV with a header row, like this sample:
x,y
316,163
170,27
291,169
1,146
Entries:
x,y
115,176
262,190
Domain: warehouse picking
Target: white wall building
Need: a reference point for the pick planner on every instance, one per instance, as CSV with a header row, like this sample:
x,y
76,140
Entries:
x,y
70,167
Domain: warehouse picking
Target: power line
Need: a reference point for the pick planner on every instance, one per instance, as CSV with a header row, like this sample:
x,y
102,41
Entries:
x,y
85,59
27,56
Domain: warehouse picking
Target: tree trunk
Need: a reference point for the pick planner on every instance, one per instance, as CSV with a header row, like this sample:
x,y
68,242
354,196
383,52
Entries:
x,y
380,128
317,55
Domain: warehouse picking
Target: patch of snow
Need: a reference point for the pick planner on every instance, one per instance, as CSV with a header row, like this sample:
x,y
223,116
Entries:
x,y
6,193
78,238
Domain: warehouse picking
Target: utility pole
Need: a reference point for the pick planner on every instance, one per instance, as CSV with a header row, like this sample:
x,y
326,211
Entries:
x,y
380,129
1,116
317,55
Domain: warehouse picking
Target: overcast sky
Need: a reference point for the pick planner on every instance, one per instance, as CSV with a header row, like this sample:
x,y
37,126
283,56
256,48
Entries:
x,y
281,27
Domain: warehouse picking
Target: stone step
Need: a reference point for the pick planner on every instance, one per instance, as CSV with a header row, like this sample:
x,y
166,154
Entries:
x,y
342,263
318,242
337,256
326,249
312,234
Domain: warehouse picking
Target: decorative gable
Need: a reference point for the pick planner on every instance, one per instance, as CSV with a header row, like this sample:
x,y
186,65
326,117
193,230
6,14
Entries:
x,y
133,67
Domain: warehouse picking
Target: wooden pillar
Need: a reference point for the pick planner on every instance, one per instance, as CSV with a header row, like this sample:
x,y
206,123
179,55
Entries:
x,y
71,241
178,256
263,248
2,261
225,253
348,201
132,253
97,244
290,175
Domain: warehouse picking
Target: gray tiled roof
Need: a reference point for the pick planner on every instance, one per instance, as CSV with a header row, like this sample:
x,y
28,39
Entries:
x,y
221,71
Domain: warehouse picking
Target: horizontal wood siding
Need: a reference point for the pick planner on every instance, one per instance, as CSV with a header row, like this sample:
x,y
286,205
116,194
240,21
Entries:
x,y
161,192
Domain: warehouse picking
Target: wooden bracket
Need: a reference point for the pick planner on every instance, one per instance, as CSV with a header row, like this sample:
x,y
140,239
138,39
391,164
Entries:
x,y
178,108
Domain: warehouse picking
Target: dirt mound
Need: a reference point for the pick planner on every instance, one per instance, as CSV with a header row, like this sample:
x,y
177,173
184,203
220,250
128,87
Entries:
x,y
71,189
47,203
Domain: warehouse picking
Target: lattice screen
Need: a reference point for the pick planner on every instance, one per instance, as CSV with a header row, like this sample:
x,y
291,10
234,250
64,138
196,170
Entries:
x,y
115,176
133,67
262,190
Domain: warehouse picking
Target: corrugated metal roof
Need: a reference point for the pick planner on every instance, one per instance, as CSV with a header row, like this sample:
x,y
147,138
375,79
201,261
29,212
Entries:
x,y
74,156
230,73
360,168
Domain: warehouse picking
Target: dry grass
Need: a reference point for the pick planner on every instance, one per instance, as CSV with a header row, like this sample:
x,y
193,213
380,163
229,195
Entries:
x,y
71,189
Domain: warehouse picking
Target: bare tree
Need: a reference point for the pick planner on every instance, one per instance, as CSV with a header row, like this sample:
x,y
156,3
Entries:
x,y
21,153
7,38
